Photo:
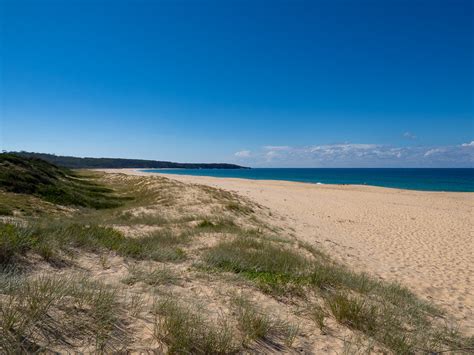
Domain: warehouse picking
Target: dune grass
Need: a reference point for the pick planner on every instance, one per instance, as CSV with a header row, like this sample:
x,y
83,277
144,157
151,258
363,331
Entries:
x,y
353,312
235,206
386,312
41,313
257,325
149,276
275,269
318,315
50,239
186,331
12,204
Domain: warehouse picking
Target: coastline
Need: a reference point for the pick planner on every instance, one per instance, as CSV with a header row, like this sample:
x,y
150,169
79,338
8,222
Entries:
x,y
421,239
204,178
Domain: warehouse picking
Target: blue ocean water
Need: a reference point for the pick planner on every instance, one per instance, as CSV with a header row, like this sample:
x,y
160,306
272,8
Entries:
x,y
412,179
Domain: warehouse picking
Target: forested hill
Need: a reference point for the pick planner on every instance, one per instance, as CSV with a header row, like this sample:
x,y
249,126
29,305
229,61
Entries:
x,y
117,163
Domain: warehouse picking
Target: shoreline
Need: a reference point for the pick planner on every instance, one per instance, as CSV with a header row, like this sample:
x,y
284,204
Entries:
x,y
140,172
421,239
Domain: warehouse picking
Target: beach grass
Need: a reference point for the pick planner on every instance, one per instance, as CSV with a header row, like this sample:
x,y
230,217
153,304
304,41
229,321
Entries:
x,y
40,311
152,276
258,325
51,239
386,312
185,330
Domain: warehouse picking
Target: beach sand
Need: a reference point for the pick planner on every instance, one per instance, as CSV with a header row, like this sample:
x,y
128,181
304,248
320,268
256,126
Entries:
x,y
421,239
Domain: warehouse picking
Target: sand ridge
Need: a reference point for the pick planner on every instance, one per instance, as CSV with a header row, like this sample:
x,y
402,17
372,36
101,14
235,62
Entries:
x,y
420,239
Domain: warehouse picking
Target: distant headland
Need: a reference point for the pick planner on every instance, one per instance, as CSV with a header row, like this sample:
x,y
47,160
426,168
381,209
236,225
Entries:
x,y
117,163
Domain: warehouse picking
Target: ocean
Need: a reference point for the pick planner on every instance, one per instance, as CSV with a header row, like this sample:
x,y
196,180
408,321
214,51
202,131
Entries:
x,y
460,180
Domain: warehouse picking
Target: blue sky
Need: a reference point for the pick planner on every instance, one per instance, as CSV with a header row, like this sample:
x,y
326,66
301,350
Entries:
x,y
261,83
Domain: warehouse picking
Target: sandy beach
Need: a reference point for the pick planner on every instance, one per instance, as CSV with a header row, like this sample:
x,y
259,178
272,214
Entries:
x,y
421,239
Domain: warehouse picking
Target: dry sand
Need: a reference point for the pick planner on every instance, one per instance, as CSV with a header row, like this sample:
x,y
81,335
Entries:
x,y
421,239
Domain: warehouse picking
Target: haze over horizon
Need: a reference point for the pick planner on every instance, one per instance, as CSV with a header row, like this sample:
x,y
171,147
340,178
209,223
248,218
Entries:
x,y
256,83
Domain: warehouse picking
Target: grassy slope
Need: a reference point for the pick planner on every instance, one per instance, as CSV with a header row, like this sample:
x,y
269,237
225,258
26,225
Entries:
x,y
174,261
31,176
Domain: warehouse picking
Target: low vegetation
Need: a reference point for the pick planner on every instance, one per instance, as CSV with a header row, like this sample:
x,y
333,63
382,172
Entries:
x,y
36,177
164,272
386,312
272,267
152,276
185,330
39,312
258,325
53,240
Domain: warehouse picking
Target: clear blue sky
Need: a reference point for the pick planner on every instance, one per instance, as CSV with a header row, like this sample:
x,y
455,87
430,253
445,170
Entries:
x,y
262,83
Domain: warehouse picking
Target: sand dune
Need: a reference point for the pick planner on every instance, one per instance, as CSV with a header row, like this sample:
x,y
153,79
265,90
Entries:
x,y
420,239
